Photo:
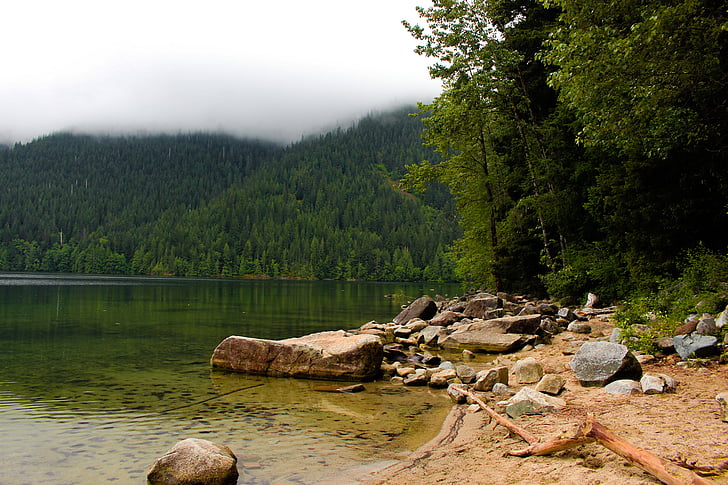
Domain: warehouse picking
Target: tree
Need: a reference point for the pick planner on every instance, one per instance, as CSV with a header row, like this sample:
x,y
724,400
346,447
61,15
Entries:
x,y
488,125
646,78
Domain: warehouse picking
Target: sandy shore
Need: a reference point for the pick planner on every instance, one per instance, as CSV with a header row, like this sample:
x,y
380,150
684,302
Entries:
x,y
682,425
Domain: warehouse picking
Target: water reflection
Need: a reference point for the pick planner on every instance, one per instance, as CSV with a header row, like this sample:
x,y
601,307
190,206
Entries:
x,y
100,376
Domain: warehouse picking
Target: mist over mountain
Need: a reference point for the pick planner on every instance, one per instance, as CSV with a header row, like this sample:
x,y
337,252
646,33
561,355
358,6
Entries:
x,y
205,204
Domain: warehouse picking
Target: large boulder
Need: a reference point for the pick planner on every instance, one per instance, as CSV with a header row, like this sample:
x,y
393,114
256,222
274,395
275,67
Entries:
x,y
326,355
599,363
423,307
496,335
483,341
195,462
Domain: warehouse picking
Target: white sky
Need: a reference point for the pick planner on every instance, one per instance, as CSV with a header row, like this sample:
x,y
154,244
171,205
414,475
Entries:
x,y
278,69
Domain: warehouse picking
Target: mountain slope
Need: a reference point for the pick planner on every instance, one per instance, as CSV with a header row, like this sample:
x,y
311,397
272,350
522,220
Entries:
x,y
206,205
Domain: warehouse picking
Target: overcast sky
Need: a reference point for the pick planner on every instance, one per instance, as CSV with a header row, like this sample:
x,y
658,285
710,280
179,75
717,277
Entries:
x,y
279,68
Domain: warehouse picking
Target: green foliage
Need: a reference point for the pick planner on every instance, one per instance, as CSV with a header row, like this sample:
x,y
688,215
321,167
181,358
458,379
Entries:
x,y
584,142
702,287
212,205
493,128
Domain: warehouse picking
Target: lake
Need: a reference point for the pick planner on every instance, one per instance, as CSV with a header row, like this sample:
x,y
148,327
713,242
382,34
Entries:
x,y
99,376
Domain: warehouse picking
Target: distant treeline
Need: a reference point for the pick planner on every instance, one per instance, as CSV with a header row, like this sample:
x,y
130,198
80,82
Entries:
x,y
214,205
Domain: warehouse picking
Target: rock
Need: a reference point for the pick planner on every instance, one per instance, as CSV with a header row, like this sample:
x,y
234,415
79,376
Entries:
x,y
446,364
446,318
665,345
325,355
722,399
195,462
578,327
447,374
530,309
485,380
652,384
416,324
645,358
397,380
722,319
623,386
479,307
455,391
528,371
468,355
616,335
551,384
402,332
599,363
501,389
566,314
670,383
496,335
592,301
547,308
549,326
706,325
405,371
528,324
346,389
430,336
423,307
438,382
695,345
465,373
416,379
530,401
687,328
431,360
394,353
483,341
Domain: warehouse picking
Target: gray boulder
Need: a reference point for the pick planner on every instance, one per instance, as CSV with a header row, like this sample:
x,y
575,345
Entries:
x,y
324,355
599,363
423,307
695,345
195,462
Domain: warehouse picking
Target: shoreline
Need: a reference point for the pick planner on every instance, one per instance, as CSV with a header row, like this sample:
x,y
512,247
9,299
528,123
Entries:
x,y
685,424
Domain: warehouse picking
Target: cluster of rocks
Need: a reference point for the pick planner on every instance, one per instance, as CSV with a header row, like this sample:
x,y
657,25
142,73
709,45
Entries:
x,y
477,323
697,337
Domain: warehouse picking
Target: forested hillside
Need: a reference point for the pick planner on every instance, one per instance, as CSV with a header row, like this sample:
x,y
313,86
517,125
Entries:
x,y
585,142
209,205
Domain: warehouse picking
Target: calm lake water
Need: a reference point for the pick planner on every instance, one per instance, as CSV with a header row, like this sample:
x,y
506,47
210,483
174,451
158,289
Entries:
x,y
99,376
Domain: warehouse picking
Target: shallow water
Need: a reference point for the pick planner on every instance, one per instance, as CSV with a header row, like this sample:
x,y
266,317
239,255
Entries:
x,y
100,376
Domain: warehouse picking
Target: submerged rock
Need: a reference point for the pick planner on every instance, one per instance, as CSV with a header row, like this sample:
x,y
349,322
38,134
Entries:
x,y
325,355
195,462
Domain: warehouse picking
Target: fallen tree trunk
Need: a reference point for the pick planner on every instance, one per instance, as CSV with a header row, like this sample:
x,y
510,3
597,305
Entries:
x,y
588,432
503,421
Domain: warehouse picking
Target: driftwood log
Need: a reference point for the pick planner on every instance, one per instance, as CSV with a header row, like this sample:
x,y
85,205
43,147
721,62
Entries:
x,y
588,432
